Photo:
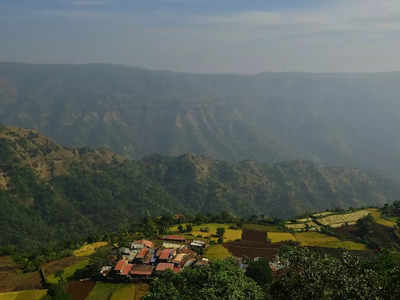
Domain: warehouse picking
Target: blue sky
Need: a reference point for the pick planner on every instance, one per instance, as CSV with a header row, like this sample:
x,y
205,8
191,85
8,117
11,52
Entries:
x,y
206,36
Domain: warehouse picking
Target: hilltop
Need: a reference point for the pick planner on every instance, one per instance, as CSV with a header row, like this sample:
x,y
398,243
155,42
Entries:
x,y
49,192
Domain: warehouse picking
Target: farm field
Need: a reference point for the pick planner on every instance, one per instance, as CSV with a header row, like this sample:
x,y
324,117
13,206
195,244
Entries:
x,y
258,227
316,239
80,290
277,237
217,252
230,234
120,291
24,295
341,219
89,249
377,215
68,271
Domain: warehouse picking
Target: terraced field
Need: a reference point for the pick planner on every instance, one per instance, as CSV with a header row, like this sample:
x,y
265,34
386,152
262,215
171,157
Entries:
x,y
342,219
276,237
258,227
24,295
68,271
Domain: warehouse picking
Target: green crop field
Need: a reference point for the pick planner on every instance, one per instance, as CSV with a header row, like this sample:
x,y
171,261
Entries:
x,y
118,291
24,295
89,249
217,252
68,271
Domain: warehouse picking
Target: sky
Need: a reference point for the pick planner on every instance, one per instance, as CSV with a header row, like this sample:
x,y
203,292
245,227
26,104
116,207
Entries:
x,y
206,36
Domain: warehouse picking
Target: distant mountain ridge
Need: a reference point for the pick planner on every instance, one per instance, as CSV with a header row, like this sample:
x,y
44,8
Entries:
x,y
339,119
49,192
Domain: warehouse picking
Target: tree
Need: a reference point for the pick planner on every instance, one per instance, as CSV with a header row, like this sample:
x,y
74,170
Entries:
x,y
219,280
189,228
180,228
260,271
220,232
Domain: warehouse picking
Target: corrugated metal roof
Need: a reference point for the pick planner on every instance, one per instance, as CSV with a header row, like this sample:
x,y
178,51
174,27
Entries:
x,y
126,269
142,270
165,253
120,264
142,253
174,237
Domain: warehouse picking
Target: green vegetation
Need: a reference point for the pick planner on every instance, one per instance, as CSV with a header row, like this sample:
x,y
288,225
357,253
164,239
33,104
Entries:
x,y
115,291
209,231
24,295
219,280
104,291
217,252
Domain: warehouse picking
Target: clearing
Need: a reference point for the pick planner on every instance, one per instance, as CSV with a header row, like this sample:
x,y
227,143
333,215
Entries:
x,y
377,215
68,271
230,234
217,252
89,249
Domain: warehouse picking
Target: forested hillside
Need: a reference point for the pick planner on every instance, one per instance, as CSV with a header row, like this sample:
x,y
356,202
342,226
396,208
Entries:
x,y
49,192
341,119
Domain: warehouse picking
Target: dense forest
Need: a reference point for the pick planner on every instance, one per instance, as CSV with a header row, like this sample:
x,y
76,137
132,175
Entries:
x,y
341,119
50,193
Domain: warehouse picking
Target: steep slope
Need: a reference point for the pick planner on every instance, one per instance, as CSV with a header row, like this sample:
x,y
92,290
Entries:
x,y
52,193
340,119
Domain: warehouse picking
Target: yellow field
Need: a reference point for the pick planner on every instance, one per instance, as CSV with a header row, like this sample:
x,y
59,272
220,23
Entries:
x,y
68,272
230,234
376,214
277,237
343,218
217,252
118,291
24,295
89,249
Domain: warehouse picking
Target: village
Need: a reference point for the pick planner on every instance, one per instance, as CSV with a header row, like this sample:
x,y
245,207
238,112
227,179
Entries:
x,y
143,259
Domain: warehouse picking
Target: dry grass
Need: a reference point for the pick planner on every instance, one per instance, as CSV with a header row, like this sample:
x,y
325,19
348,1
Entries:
x,y
89,249
277,237
316,239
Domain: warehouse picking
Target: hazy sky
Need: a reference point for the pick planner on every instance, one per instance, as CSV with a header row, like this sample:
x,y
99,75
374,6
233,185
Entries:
x,y
241,36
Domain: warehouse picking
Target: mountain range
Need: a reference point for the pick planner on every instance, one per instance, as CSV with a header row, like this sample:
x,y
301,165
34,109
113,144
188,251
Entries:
x,y
348,120
50,192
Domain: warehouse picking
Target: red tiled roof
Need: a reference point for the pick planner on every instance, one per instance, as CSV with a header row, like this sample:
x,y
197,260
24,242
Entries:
x,y
165,254
142,253
126,269
174,237
142,270
147,243
164,266
120,264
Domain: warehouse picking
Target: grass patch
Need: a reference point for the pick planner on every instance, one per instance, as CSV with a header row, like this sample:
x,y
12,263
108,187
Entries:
x,y
377,215
217,252
277,237
68,271
230,234
258,227
118,291
24,295
89,249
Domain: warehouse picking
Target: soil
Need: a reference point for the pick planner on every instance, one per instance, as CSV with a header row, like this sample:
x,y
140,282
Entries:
x,y
79,290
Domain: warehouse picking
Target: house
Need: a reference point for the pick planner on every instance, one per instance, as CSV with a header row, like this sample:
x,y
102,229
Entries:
x,y
139,244
178,259
189,263
165,254
126,269
172,245
164,266
198,244
148,259
174,238
120,264
142,254
142,271
105,270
